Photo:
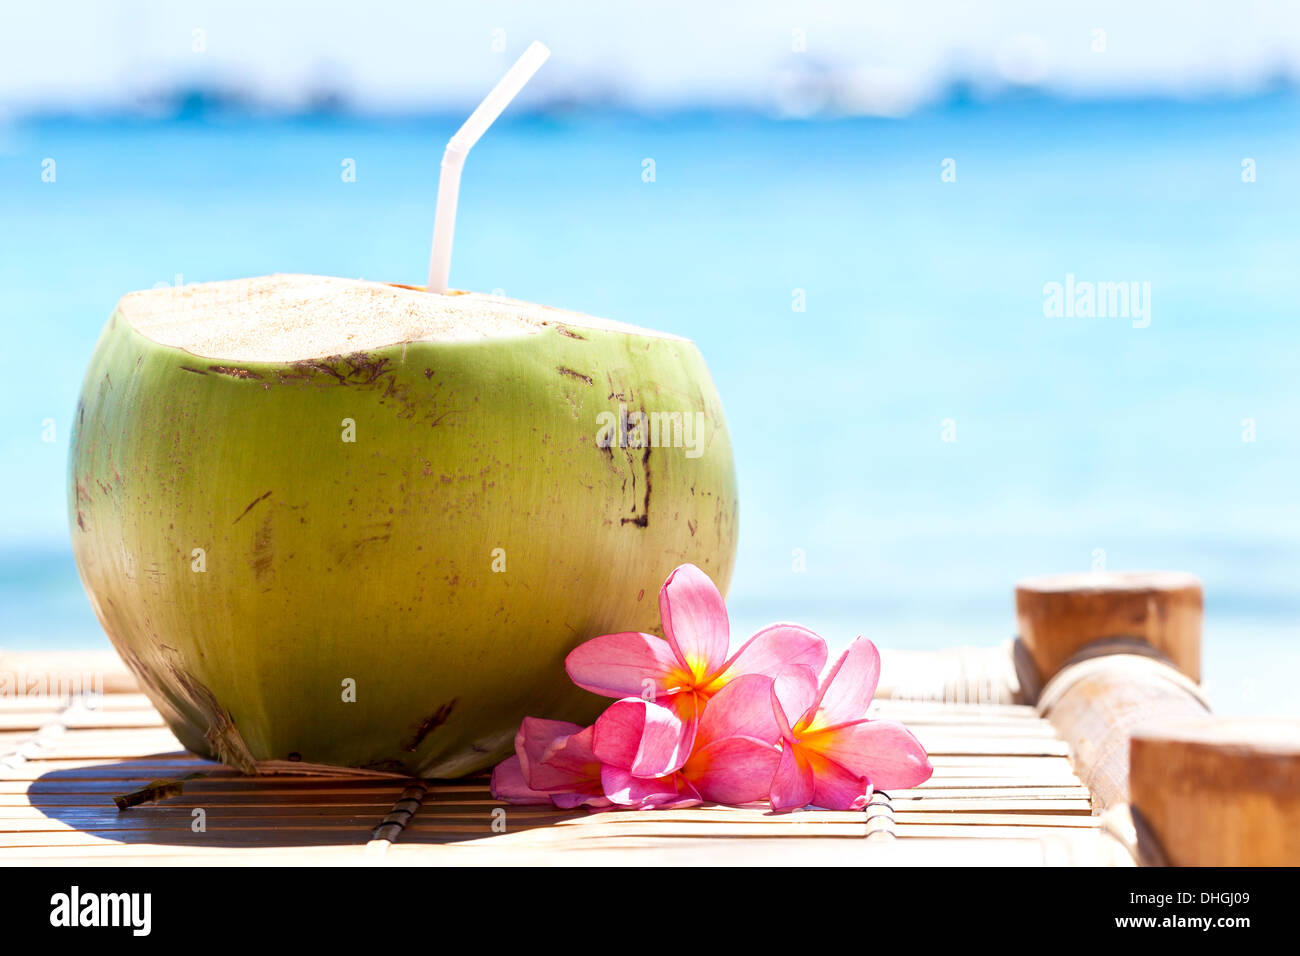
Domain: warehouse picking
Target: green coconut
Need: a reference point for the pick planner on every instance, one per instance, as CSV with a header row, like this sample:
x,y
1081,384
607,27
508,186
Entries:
x,y
342,524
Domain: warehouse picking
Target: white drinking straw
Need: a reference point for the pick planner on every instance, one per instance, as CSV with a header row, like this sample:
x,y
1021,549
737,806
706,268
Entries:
x,y
444,219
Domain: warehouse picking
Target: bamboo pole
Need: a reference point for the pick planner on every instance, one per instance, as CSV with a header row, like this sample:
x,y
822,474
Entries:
x,y
1115,651
1102,697
1060,614
1220,791
1120,655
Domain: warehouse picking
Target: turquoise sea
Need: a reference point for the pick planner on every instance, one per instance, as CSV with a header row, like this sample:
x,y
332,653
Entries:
x,y
909,443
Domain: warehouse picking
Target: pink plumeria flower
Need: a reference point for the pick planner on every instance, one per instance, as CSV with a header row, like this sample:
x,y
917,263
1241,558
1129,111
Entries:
x,y
831,755
553,763
682,671
733,761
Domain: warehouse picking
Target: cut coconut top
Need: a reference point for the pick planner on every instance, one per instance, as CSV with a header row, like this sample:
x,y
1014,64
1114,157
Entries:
x,y
288,318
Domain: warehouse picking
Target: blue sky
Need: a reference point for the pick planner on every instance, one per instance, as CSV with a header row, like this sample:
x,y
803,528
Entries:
x,y
881,58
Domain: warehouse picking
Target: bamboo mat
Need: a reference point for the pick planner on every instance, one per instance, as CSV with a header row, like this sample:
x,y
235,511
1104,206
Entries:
x,y
1003,792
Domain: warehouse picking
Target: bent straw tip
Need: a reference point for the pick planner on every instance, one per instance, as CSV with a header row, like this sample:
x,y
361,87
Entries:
x,y
492,106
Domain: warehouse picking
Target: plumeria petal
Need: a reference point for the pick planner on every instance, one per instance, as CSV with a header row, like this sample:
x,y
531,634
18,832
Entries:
x,y
694,620
568,801
508,784
733,770
647,738
743,707
628,664
883,750
566,763
536,736
847,691
773,648
793,692
663,793
836,787
792,786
